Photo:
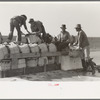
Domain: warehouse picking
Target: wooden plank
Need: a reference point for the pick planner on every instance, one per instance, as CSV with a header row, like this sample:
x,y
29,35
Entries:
x,y
50,54
25,55
64,52
35,55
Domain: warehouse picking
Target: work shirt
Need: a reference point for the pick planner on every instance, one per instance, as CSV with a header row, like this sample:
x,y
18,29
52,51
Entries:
x,y
20,20
64,37
82,39
38,27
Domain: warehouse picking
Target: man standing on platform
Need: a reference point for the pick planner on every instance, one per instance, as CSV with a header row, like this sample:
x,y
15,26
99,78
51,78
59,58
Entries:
x,y
38,27
17,22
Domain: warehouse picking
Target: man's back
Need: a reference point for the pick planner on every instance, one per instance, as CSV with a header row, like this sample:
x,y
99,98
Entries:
x,y
19,19
83,39
38,27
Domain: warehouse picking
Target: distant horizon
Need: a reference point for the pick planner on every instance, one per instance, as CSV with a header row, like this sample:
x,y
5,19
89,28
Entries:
x,y
74,35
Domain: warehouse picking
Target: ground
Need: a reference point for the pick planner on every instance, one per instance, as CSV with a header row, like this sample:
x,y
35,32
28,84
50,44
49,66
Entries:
x,y
58,75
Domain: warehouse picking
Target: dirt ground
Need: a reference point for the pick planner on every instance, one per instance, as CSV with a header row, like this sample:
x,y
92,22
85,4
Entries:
x,y
58,75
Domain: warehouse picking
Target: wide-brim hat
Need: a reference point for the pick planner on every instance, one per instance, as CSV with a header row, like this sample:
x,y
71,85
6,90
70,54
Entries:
x,y
63,26
78,26
31,20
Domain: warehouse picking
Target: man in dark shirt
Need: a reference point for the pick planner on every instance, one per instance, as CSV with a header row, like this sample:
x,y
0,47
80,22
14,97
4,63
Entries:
x,y
82,42
37,26
17,22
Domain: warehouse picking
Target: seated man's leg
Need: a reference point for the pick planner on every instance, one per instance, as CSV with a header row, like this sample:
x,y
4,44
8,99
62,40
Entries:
x,y
63,45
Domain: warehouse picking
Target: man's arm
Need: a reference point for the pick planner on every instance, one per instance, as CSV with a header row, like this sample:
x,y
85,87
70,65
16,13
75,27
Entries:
x,y
26,27
79,39
59,37
69,37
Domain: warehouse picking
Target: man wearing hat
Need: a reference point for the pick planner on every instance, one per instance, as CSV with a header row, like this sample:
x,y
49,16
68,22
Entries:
x,y
64,38
37,26
82,42
17,22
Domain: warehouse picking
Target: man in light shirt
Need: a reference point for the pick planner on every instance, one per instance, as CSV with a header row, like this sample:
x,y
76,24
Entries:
x,y
64,38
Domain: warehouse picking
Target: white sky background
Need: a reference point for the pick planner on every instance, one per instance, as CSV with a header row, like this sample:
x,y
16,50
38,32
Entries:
x,y
53,15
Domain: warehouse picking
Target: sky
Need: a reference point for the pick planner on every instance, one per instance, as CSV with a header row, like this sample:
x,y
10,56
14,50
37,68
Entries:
x,y
53,15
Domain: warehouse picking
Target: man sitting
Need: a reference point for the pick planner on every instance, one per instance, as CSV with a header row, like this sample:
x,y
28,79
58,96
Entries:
x,y
63,38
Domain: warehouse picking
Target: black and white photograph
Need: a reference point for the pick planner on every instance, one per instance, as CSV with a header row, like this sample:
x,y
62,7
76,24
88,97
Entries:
x,y
49,42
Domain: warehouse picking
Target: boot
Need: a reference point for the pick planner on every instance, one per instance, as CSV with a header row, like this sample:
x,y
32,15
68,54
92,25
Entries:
x,y
92,64
84,65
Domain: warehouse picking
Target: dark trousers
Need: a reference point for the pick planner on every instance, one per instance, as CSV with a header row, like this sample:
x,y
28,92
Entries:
x,y
62,45
14,24
84,64
87,64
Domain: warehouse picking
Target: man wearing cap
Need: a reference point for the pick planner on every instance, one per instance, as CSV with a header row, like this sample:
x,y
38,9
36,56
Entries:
x,y
17,22
64,38
37,26
82,42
